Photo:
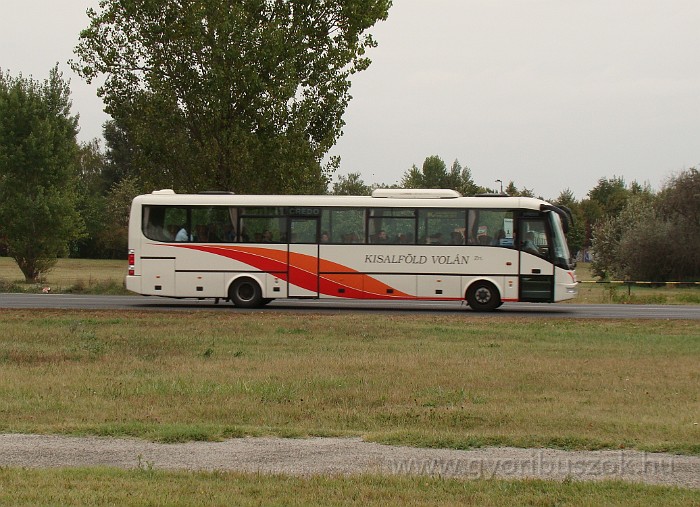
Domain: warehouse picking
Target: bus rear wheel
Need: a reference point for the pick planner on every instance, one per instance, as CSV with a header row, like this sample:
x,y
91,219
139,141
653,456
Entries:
x,y
246,293
483,296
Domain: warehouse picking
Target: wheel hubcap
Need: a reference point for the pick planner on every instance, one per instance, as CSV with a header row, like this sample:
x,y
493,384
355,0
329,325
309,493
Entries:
x,y
483,295
245,292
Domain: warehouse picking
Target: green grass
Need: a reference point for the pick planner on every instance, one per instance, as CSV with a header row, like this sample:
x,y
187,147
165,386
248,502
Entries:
x,y
151,487
606,293
435,381
83,276
441,381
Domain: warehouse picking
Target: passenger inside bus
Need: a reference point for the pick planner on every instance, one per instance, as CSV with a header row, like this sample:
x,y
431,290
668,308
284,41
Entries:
x,y
529,245
229,233
350,237
182,235
380,237
500,236
201,233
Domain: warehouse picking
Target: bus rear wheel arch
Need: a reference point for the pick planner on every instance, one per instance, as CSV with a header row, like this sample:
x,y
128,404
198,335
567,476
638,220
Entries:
x,y
483,296
246,293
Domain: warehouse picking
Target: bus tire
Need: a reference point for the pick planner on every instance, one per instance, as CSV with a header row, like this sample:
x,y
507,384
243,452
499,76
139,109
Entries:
x,y
246,293
483,296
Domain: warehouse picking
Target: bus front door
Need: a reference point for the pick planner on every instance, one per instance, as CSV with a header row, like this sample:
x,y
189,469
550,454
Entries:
x,y
536,270
302,277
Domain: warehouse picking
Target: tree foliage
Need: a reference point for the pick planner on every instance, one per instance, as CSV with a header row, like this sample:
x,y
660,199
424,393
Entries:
x,y
612,233
118,206
38,158
352,184
105,195
679,207
90,188
611,194
434,174
512,190
576,235
243,95
653,238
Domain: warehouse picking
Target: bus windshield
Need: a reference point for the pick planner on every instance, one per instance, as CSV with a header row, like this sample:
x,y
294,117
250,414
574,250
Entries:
x,y
562,256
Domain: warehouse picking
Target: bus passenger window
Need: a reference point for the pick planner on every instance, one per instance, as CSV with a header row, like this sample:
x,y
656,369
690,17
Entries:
x,y
344,225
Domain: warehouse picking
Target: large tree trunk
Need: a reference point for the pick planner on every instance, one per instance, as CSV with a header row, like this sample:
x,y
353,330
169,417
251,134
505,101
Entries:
x,y
34,268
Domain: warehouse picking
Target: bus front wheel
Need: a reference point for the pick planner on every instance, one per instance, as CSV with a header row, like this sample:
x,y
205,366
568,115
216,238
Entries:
x,y
482,296
246,293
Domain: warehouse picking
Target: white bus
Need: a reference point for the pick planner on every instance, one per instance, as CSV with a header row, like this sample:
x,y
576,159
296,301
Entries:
x,y
394,245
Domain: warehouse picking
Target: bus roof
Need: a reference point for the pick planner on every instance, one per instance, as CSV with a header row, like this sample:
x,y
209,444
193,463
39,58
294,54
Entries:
x,y
383,200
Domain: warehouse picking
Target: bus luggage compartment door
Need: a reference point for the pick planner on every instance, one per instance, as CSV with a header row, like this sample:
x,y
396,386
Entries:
x,y
303,271
158,277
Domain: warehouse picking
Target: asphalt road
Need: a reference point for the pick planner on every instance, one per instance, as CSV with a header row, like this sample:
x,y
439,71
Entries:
x,y
561,310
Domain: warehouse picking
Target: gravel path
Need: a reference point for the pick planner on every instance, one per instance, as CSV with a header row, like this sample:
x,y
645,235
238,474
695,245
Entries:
x,y
345,456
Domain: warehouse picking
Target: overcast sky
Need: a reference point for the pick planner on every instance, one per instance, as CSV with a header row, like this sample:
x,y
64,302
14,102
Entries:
x,y
551,94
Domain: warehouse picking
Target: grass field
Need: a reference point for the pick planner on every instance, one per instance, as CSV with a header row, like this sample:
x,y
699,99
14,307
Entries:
x,y
438,381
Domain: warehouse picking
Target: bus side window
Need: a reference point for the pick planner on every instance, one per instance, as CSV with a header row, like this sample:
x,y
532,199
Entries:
x,y
533,237
491,228
344,225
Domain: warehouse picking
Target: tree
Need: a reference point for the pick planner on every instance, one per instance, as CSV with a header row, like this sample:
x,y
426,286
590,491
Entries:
x,y
605,201
90,189
460,179
104,199
413,178
678,204
611,194
513,191
352,184
434,174
576,235
119,155
655,238
242,95
115,239
38,158
680,198
611,259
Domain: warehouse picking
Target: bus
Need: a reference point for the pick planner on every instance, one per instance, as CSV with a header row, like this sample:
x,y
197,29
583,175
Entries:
x,y
397,244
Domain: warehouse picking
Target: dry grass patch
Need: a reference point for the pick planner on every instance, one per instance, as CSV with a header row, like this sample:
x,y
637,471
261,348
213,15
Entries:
x,y
93,276
429,381
602,293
